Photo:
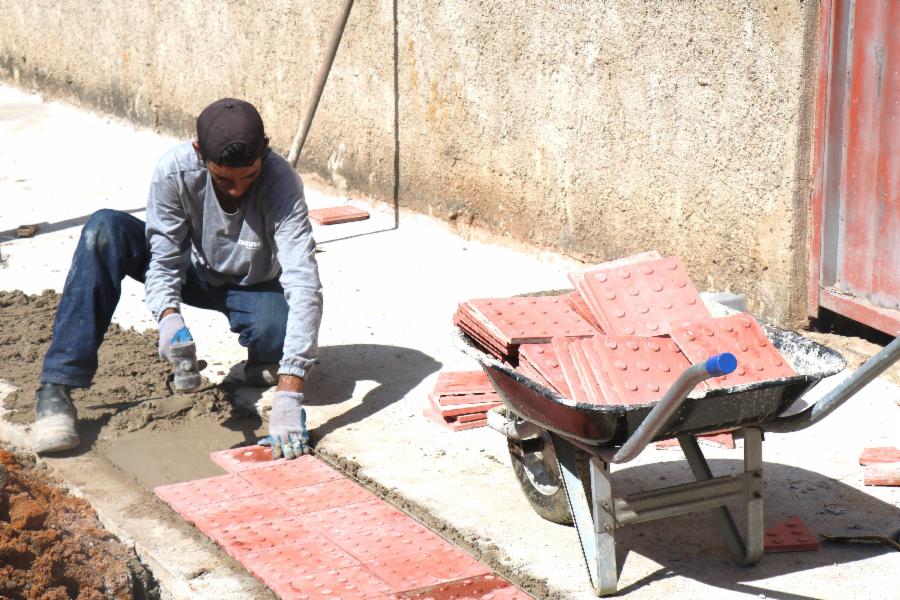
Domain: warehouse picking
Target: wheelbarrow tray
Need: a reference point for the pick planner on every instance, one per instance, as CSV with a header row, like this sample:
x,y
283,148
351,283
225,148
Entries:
x,y
703,411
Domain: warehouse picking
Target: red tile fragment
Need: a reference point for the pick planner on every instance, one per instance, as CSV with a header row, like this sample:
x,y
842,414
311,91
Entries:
x,y
885,454
640,298
302,471
486,587
191,494
351,583
757,358
338,214
887,474
523,320
247,457
414,571
791,535
451,423
462,383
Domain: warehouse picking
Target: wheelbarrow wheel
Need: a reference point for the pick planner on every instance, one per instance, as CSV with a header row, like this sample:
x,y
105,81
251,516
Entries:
x,y
534,463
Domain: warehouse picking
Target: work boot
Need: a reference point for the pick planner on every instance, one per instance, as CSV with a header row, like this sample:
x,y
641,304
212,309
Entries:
x,y
261,374
55,418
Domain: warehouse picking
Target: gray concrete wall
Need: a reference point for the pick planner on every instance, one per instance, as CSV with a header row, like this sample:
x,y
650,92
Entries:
x,y
594,128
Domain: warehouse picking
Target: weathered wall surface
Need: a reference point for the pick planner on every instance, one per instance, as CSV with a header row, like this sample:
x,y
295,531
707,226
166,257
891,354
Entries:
x,y
595,128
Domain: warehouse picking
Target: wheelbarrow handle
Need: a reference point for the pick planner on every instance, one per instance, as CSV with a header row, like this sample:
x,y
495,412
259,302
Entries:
x,y
715,366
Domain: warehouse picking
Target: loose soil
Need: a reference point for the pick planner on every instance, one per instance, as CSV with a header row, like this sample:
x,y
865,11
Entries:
x,y
129,392
52,546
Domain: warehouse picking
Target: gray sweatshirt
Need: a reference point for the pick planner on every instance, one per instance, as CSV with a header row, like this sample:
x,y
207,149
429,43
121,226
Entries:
x,y
269,237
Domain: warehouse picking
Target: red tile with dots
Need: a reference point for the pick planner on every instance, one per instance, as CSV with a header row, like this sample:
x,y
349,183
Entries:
x,y
791,535
757,358
526,320
642,298
308,532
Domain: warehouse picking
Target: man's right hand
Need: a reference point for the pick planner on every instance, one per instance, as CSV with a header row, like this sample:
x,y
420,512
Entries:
x,y
176,345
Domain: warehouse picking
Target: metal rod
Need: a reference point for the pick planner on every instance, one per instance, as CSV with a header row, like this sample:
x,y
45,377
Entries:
x,y
681,499
871,369
603,509
300,138
721,364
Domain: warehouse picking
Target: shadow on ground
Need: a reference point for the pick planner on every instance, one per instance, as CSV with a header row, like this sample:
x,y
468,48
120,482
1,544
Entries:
x,y
691,545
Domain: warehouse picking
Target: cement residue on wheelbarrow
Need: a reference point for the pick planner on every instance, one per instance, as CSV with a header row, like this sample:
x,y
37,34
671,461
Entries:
x,y
52,547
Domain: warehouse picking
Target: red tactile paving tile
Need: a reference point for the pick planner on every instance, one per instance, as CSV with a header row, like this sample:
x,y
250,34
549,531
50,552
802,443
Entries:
x,y
526,319
191,494
313,553
543,359
393,539
241,459
302,471
363,515
790,535
465,399
462,383
338,214
351,583
578,387
454,410
451,423
220,515
484,340
576,301
322,496
486,587
526,369
242,537
640,298
882,474
757,358
411,572
885,454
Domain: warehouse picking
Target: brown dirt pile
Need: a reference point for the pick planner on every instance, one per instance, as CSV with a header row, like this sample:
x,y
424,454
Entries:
x,y
53,548
129,391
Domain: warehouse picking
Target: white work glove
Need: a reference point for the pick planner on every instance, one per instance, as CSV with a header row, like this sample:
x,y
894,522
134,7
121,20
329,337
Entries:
x,y
172,330
287,426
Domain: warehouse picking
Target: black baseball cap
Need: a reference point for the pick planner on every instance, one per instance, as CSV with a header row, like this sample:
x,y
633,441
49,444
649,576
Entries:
x,y
234,125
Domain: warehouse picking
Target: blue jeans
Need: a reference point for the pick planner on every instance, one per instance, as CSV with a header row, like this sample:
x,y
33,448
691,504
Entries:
x,y
112,245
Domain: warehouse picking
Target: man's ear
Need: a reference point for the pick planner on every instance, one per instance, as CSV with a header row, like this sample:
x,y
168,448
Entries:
x,y
196,146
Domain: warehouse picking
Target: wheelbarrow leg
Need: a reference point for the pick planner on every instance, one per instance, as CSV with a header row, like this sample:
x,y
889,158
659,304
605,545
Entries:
x,y
594,522
752,551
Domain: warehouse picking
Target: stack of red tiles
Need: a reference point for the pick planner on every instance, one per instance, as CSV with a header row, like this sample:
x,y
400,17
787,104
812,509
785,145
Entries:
x,y
631,327
882,466
461,399
308,532
500,325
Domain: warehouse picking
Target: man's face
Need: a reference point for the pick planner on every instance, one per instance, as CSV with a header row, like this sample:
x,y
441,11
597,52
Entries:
x,y
233,181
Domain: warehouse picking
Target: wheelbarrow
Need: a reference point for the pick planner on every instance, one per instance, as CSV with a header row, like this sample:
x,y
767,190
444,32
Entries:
x,y
561,450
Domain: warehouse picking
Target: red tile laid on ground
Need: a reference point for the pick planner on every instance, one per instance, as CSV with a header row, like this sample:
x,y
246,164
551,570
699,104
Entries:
x,y
322,496
454,410
247,457
286,474
394,539
240,538
311,554
791,535
190,494
338,214
361,515
871,456
757,358
882,474
410,572
220,515
351,583
486,587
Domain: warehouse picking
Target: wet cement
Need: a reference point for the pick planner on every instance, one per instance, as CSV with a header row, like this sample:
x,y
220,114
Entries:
x,y
129,413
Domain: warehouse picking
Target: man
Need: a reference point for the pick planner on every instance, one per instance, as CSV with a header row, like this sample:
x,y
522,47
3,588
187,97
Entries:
x,y
226,230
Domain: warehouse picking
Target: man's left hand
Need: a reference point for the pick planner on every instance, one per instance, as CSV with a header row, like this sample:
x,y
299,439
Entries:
x,y
288,435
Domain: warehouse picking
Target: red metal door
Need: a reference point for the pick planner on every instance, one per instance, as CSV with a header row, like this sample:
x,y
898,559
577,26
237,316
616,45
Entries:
x,y
857,201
